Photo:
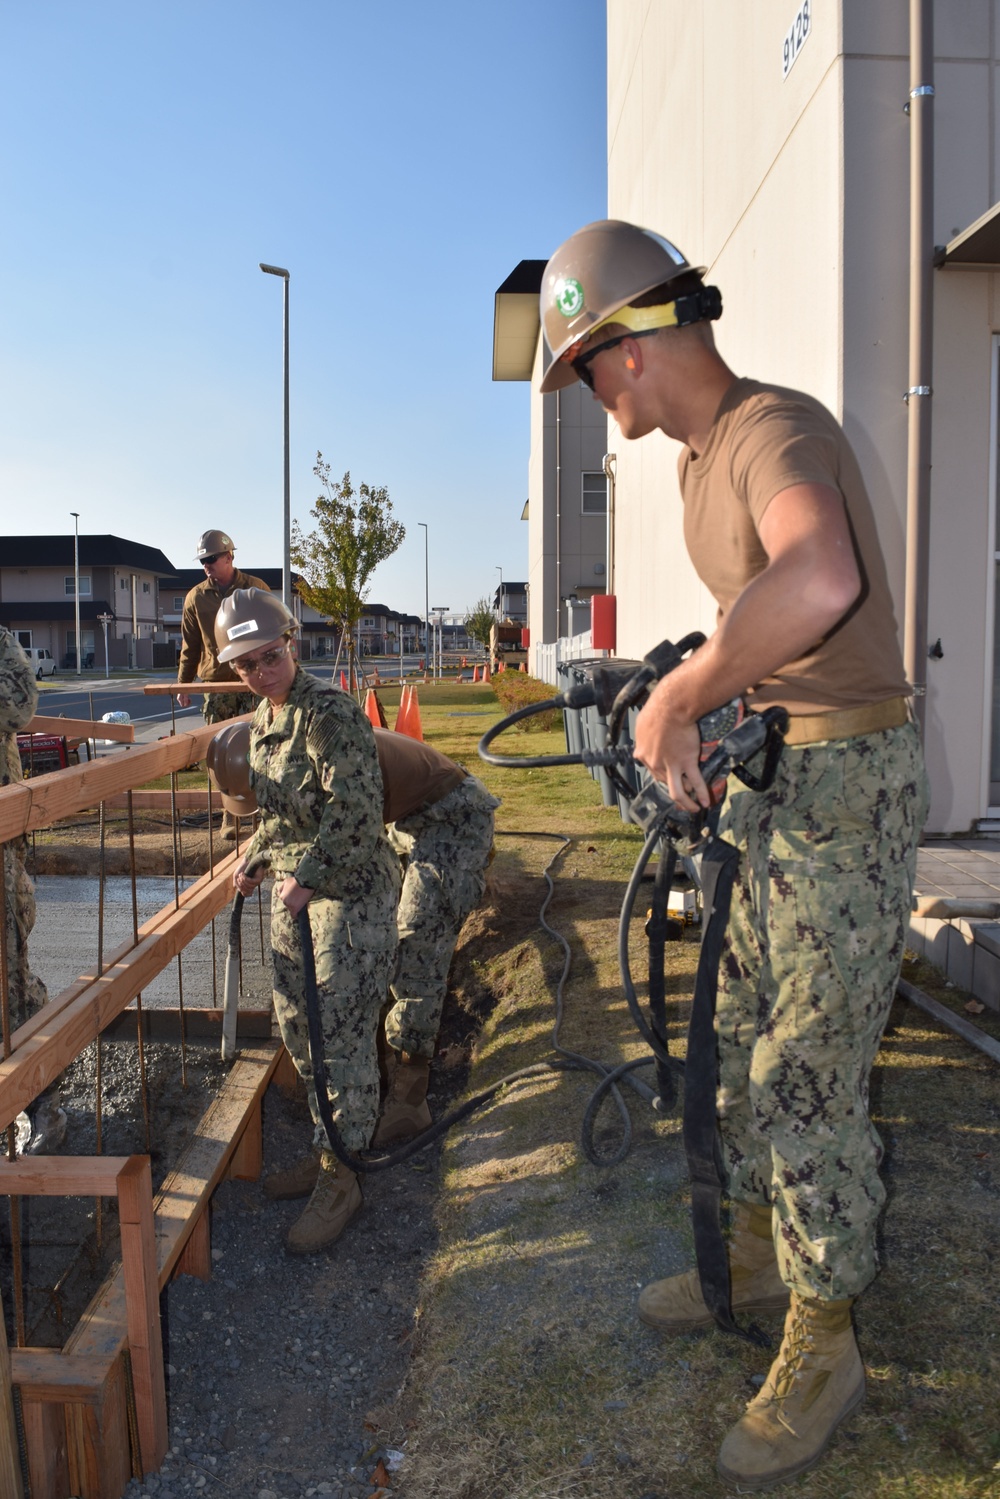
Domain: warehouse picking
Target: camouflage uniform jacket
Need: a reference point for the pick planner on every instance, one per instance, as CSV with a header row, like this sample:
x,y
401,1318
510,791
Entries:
x,y
315,773
18,701
198,648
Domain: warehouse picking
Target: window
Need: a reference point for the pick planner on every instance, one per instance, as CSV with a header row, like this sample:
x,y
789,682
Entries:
x,y
70,583
595,494
122,582
24,638
145,587
178,602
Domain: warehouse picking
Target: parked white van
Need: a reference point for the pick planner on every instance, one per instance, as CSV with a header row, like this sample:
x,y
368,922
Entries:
x,y
43,661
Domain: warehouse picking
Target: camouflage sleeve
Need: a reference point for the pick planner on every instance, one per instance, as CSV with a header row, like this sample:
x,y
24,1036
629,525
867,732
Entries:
x,y
18,689
342,751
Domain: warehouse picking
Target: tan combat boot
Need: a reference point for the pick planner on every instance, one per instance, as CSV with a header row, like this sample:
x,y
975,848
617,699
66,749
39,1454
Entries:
x,y
816,1380
676,1305
405,1112
228,829
335,1200
296,1181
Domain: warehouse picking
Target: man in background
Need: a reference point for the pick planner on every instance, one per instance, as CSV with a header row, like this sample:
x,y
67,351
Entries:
x,y
199,656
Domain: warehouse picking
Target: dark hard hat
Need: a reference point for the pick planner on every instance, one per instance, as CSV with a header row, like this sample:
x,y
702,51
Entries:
x,y
600,269
249,617
229,767
211,543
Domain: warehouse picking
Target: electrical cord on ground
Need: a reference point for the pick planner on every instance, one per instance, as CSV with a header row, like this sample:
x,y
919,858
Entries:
x,y
568,1061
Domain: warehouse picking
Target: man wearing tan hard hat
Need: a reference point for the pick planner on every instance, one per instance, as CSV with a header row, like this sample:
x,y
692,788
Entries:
x,y
780,529
199,653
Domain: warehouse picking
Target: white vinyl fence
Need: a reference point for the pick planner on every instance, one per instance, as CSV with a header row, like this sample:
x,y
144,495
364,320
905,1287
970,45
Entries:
x,y
568,648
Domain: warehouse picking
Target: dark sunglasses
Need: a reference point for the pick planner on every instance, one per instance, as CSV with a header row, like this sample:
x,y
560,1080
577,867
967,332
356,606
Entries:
x,y
207,561
581,362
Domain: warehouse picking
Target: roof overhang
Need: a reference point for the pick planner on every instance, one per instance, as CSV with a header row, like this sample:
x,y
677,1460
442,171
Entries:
x,y
516,324
976,248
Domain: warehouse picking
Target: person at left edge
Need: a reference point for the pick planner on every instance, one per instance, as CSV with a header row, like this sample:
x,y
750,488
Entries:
x,y
315,774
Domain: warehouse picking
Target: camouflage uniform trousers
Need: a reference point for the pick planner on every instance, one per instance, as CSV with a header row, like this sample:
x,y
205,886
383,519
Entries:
x,y
26,990
220,706
447,849
354,945
813,951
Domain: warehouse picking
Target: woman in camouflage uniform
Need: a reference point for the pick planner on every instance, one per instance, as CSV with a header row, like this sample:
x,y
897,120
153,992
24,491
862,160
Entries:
x,y
315,774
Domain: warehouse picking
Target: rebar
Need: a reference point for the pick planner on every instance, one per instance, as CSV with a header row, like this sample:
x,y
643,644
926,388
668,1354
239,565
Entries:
x,y
143,1087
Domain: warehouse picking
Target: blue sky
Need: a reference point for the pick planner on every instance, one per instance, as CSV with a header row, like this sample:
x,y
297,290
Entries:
x,y
398,159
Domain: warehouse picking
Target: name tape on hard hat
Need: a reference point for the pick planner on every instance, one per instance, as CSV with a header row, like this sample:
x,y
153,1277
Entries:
x,y
243,629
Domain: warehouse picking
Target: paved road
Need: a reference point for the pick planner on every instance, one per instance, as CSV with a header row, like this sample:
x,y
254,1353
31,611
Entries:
x,y
91,697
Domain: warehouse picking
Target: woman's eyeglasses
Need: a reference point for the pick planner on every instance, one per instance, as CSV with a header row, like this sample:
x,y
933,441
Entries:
x,y
248,666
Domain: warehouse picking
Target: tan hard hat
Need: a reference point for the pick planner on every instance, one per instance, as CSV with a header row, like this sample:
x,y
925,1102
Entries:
x,y
250,617
229,767
211,543
597,271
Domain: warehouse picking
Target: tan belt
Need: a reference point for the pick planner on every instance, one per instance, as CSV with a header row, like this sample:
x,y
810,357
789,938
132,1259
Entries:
x,y
846,723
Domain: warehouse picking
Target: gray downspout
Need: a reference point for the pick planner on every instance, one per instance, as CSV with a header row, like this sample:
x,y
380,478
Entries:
x,y
558,513
610,459
918,453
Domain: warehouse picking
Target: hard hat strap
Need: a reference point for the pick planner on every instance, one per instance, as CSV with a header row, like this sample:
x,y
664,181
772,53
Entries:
x,y
703,305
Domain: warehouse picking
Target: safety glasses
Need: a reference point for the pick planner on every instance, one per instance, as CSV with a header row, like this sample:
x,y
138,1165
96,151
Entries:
x,y
207,561
248,666
580,365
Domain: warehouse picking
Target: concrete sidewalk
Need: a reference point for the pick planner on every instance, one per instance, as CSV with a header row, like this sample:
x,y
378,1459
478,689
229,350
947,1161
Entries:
x,y
967,949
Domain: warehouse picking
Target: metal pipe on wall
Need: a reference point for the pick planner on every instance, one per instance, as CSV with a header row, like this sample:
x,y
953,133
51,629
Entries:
x,y
918,394
558,513
609,462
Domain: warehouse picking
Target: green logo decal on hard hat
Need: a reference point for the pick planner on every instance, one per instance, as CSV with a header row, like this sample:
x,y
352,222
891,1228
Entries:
x,y
569,296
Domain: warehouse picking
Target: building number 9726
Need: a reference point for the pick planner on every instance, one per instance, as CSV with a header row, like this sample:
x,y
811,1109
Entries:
x,y
795,37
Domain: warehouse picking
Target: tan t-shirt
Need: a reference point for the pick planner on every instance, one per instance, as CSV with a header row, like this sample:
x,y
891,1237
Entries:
x,y
764,440
414,774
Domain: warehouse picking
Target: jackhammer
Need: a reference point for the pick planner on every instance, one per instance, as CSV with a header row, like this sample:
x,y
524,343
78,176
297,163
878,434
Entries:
x,y
732,737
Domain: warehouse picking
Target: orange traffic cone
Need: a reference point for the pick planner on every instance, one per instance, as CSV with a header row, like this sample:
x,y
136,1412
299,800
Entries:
x,y
343,680
374,711
404,698
411,723
475,673
487,675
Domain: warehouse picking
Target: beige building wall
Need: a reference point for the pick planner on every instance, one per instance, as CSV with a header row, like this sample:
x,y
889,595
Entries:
x,y
568,435
794,193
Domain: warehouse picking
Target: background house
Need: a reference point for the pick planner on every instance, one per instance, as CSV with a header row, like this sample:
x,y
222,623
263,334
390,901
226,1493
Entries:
x,y
118,578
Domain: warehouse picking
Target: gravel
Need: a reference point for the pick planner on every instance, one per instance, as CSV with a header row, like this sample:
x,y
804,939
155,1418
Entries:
x,y
273,1364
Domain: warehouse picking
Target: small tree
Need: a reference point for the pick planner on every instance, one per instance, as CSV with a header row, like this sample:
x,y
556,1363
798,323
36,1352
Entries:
x,y
478,621
355,531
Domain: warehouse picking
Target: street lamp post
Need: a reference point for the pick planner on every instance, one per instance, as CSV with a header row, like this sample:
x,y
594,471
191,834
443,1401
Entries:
x,y
500,596
104,620
76,585
286,556
427,594
440,610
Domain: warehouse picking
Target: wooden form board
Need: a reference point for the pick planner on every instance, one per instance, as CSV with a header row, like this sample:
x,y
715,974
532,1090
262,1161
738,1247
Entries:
x,y
159,801
80,728
56,1034
75,1399
128,1179
27,806
171,689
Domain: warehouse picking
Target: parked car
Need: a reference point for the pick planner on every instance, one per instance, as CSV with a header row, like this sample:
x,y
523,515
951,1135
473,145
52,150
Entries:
x,y
43,661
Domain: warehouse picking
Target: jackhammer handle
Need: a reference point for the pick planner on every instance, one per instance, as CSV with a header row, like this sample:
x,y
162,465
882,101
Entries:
x,y
231,987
